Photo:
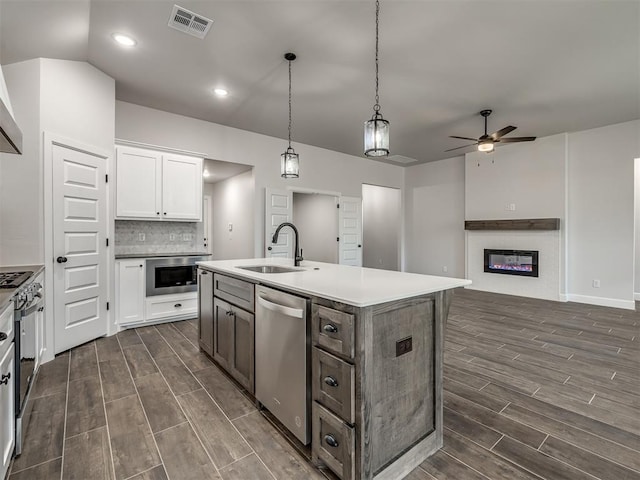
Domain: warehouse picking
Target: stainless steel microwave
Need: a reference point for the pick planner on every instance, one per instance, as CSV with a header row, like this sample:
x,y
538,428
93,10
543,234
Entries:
x,y
167,275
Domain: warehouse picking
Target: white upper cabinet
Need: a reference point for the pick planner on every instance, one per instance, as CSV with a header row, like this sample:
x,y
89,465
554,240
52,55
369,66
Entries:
x,y
181,187
154,185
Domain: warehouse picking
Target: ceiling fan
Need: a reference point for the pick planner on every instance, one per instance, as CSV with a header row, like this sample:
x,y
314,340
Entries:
x,y
486,142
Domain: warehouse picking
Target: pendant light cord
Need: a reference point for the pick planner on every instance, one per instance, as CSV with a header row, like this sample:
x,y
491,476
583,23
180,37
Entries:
x,y
289,103
376,107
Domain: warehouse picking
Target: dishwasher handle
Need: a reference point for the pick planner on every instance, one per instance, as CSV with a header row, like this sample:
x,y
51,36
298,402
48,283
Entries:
x,y
276,307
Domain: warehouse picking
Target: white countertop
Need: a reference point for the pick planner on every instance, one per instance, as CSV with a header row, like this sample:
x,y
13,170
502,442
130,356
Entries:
x,y
357,286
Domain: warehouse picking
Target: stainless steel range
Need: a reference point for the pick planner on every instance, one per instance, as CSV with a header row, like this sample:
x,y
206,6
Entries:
x,y
28,299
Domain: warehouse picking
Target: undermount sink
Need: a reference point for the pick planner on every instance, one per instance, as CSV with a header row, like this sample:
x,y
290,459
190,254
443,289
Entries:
x,y
270,269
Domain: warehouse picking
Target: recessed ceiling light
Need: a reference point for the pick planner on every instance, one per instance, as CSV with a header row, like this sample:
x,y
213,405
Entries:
x,y
124,40
221,92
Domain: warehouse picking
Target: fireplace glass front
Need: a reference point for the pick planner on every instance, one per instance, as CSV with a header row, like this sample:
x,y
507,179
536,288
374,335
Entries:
x,y
511,262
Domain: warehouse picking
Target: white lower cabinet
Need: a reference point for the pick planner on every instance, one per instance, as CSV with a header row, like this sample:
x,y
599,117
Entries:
x,y
134,307
7,392
130,287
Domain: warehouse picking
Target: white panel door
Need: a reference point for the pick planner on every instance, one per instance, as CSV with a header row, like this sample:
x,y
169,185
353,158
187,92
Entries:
x,y
130,285
79,234
138,183
350,231
181,188
278,209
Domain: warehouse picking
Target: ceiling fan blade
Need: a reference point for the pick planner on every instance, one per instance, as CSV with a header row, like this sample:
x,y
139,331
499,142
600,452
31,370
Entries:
x,y
465,146
503,131
464,138
516,139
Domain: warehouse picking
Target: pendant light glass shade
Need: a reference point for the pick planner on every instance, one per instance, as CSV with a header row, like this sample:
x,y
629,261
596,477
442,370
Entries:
x,y
289,160
376,136
376,130
289,164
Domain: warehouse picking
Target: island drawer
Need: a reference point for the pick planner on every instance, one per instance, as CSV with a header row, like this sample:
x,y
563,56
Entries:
x,y
333,330
333,384
235,291
333,442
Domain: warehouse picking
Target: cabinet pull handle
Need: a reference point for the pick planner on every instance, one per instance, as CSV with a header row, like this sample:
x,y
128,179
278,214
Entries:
x,y
5,378
61,259
157,213
331,441
332,382
178,305
330,328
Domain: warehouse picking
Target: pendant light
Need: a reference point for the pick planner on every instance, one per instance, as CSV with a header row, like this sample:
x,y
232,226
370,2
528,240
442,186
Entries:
x,y
289,160
376,130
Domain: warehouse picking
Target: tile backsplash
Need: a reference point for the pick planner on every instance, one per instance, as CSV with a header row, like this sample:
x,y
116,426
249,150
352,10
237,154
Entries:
x,y
134,236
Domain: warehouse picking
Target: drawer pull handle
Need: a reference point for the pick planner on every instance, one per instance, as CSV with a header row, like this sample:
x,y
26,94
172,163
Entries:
x,y
3,336
178,305
332,382
330,328
331,441
5,379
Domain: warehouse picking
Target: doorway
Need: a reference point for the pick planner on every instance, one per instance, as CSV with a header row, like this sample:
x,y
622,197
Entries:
x,y
315,216
382,226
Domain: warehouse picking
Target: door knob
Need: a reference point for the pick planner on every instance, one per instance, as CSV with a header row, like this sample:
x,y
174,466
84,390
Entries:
x,y
3,336
61,259
269,248
5,378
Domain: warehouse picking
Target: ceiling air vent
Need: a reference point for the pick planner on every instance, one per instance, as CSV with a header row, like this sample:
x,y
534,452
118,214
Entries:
x,y
188,22
402,159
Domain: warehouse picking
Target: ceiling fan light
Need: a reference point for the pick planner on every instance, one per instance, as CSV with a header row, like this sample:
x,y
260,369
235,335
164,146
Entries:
x,y
485,147
289,164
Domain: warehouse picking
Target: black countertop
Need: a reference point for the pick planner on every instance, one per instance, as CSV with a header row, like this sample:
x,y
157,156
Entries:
x,y
6,294
156,255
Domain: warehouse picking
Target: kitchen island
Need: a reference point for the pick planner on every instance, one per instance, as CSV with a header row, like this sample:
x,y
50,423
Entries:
x,y
374,340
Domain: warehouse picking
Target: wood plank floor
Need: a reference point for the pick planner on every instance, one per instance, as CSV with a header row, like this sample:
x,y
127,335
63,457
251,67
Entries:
x,y
533,390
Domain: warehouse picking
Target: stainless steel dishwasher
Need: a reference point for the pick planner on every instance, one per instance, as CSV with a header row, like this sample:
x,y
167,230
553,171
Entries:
x,y
281,369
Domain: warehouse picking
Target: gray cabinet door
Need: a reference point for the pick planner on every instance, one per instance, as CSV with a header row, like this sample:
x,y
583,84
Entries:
x,y
223,334
233,341
243,349
205,311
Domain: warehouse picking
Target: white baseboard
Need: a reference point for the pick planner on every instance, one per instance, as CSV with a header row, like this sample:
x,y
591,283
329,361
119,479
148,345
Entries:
x,y
636,296
563,297
603,302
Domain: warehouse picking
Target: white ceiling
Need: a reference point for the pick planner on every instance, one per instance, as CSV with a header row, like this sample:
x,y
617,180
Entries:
x,y
544,66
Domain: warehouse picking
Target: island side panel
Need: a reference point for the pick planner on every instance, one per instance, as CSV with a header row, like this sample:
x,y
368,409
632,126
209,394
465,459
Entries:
x,y
400,380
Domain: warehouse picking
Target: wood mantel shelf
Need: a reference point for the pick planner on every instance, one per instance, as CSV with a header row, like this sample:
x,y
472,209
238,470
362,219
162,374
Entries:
x,y
517,224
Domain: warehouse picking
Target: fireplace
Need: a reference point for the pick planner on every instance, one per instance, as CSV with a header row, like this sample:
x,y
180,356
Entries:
x,y
511,262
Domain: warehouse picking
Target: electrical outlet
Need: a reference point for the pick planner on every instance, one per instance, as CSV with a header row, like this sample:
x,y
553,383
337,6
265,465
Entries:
x,y
172,237
596,284
445,269
512,207
187,237
404,346
141,237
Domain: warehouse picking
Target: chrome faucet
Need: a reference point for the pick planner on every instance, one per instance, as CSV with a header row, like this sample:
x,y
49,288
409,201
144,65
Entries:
x,y
297,255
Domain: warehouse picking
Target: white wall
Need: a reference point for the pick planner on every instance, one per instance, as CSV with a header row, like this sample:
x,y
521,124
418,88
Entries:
x,y
601,213
381,227
316,218
434,218
531,177
320,169
637,223
21,200
70,99
232,203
